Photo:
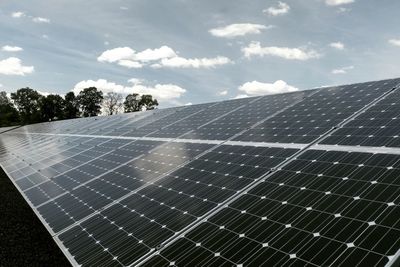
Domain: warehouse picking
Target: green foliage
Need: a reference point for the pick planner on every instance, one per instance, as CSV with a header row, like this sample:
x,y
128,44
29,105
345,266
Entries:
x,y
51,107
71,108
89,100
132,103
29,106
135,103
148,102
8,113
27,102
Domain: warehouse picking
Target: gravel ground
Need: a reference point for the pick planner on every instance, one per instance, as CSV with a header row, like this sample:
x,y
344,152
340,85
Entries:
x,y
24,241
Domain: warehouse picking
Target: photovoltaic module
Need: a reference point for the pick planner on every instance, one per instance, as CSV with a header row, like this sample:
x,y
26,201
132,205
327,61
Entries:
x,y
307,178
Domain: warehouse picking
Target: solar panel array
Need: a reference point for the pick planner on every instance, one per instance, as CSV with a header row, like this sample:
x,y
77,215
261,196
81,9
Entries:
x,y
302,178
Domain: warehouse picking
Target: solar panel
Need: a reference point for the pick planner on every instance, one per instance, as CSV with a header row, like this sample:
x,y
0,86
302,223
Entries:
x,y
324,208
377,126
236,121
6,129
317,114
271,180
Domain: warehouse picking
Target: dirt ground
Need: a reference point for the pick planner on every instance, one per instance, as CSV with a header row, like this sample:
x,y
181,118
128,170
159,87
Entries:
x,y
24,241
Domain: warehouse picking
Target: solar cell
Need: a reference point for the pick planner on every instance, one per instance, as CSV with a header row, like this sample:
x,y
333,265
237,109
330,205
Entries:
x,y
165,207
203,117
324,208
317,114
239,182
376,126
241,119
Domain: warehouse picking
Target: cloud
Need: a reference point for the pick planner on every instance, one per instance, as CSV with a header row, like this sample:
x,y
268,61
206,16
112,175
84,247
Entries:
x,y
157,58
342,70
180,62
281,9
239,96
8,48
239,29
338,2
18,14
255,49
337,45
395,42
135,81
259,88
162,92
155,54
222,93
130,64
13,66
40,20
116,54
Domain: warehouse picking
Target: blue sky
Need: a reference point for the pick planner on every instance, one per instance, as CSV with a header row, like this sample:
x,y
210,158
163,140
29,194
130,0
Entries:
x,y
186,51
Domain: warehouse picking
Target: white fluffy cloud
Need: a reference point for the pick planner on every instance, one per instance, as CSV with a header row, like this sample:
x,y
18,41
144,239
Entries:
x,y
255,49
40,20
155,54
338,2
130,64
157,58
18,14
180,62
259,88
395,42
337,45
116,54
163,92
342,70
13,66
8,48
239,29
281,9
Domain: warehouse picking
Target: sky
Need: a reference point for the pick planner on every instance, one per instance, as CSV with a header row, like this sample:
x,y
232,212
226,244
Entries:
x,y
189,51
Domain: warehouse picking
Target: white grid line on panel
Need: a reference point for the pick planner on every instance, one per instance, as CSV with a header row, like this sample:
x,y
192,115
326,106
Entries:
x,y
116,201
217,143
360,149
259,180
237,195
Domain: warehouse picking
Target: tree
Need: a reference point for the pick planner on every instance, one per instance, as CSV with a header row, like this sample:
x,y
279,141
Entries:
x,y
131,103
8,113
51,107
148,102
89,100
27,102
112,103
71,106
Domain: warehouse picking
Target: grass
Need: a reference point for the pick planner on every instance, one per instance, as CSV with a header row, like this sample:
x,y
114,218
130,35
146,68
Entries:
x,y
24,241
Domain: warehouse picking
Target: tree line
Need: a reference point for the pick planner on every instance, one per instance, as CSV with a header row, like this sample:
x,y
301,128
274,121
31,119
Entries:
x,y
27,105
